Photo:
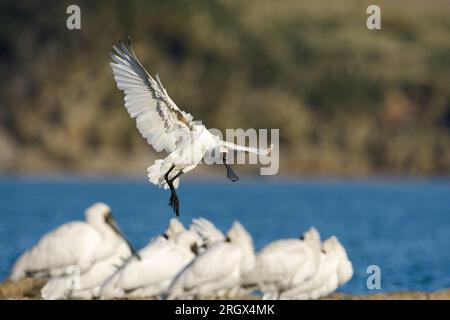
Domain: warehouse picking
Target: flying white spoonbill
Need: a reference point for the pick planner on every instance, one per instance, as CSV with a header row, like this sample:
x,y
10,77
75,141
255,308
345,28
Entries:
x,y
165,126
75,243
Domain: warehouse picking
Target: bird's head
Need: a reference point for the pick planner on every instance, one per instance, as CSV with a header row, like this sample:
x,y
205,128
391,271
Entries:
x,y
99,215
333,245
189,239
175,227
97,212
238,234
345,268
312,237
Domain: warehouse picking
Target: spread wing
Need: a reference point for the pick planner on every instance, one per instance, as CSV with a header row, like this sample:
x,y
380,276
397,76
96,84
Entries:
x,y
158,118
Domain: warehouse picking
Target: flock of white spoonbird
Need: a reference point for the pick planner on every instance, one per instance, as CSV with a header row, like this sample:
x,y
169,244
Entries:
x,y
93,260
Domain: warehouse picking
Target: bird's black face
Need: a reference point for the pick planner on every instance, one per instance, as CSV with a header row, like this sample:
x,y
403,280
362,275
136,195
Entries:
x,y
302,238
112,223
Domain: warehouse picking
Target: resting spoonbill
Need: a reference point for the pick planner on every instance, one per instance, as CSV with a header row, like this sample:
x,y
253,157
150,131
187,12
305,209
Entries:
x,y
76,243
165,126
334,269
151,276
91,284
284,263
217,271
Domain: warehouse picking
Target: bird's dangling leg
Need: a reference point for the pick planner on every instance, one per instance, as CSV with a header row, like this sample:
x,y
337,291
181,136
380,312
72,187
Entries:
x,y
173,201
230,173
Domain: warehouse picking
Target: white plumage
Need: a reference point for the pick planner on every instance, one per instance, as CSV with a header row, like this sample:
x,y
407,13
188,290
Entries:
x,y
207,231
78,243
284,263
219,270
165,126
161,260
86,285
198,263
334,269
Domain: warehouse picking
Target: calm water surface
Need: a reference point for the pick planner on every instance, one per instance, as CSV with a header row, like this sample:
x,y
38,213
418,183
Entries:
x,y
403,226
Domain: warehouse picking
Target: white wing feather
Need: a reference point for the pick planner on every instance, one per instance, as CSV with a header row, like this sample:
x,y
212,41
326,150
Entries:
x,y
150,276
89,281
284,263
209,273
158,118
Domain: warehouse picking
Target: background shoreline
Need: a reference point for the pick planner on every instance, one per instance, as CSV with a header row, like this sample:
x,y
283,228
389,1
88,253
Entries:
x,y
30,289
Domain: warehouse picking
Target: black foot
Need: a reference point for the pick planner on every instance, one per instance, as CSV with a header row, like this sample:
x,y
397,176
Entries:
x,y
231,175
174,203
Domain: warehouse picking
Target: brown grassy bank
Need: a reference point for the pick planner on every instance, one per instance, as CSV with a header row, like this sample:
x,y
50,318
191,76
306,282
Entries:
x,y
30,289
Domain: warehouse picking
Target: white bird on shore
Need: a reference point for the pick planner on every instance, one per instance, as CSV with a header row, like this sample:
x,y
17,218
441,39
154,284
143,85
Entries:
x,y
165,126
161,261
284,263
334,269
219,270
86,285
75,244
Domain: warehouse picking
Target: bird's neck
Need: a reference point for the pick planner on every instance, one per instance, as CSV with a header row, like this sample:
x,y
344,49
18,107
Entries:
x,y
105,231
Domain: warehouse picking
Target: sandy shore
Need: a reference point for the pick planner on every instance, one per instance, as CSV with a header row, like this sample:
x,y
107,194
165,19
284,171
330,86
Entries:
x,y
30,289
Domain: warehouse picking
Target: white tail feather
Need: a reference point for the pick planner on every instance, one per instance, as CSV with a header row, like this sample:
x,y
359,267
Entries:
x,y
157,171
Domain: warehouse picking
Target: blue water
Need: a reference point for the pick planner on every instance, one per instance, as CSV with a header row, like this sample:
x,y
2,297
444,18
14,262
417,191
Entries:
x,y
403,226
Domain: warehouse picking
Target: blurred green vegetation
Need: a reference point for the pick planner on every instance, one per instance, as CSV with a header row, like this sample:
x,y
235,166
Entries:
x,y
347,100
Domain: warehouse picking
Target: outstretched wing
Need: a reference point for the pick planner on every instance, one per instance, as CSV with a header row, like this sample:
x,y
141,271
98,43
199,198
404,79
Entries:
x,y
158,118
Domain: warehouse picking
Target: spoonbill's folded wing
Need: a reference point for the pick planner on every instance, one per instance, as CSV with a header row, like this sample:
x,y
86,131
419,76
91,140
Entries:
x,y
158,118
280,265
210,270
57,250
149,276
89,282
327,268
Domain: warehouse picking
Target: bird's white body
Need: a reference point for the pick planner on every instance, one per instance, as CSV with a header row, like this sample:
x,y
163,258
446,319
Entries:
x,y
160,262
185,157
78,244
285,263
334,269
219,270
86,285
